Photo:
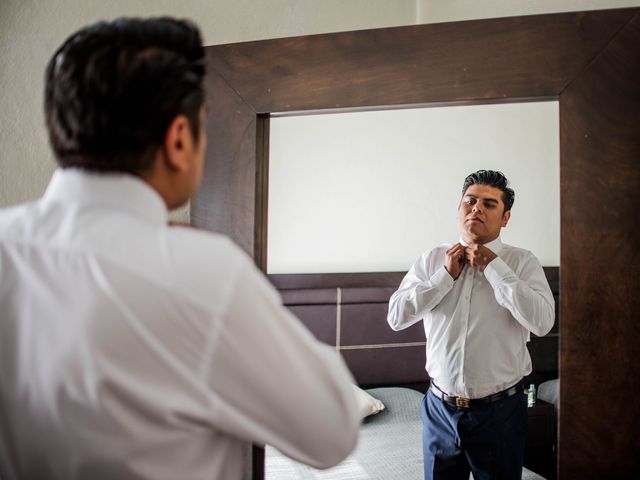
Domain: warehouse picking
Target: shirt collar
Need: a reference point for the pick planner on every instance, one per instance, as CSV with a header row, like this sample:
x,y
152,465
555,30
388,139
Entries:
x,y
494,245
120,191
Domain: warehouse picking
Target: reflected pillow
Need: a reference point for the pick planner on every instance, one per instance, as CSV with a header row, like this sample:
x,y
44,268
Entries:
x,y
367,405
550,392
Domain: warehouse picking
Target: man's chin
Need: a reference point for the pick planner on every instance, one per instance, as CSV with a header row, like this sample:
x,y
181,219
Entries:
x,y
471,235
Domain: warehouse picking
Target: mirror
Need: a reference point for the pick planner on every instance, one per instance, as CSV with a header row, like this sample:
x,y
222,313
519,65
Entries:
x,y
369,192
585,60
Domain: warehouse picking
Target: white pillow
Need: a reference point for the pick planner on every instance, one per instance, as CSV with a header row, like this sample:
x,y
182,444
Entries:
x,y
550,392
367,405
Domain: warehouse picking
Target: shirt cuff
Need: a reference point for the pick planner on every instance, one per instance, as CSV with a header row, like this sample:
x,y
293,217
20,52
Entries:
x,y
442,280
496,271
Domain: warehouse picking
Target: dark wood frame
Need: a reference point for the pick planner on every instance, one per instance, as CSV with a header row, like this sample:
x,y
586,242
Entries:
x,y
588,61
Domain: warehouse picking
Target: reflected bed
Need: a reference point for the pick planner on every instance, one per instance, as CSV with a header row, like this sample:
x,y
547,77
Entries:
x,y
389,446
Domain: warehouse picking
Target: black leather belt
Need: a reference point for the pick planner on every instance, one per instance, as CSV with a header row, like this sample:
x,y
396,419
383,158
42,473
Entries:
x,y
463,402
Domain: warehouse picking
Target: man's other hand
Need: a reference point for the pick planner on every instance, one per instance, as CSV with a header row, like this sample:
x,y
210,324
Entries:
x,y
478,256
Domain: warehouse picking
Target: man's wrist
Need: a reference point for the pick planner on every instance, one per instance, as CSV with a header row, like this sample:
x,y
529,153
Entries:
x,y
442,279
451,274
496,270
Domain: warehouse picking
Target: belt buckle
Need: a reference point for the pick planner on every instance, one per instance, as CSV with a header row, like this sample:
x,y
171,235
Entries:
x,y
462,402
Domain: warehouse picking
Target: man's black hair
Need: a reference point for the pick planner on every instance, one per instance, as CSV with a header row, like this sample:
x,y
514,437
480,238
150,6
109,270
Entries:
x,y
113,88
493,179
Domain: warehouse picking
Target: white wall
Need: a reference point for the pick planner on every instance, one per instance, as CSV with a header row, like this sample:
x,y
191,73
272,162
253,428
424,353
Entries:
x,y
433,11
31,30
369,191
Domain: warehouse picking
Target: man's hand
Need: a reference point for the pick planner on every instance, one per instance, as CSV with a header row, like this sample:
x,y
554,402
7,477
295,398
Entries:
x,y
478,256
454,260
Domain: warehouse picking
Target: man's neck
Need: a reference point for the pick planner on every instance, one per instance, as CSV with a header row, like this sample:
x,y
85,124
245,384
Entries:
x,y
476,241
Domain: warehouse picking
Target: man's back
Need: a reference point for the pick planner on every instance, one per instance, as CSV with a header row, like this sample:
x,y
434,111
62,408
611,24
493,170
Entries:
x,y
133,350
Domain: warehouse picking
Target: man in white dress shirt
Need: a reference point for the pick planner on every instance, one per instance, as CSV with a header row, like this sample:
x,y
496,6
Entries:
x,y
478,301
129,349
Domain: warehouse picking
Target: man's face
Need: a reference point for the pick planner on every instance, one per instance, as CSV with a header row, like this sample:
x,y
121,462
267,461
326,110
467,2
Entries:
x,y
481,214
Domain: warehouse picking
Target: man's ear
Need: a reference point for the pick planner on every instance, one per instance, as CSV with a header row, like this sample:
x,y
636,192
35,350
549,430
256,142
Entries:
x,y
506,217
178,143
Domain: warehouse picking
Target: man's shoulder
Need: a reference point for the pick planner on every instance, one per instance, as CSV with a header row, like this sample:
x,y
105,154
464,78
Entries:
x,y
517,257
201,267
188,233
434,256
437,250
14,217
203,260
517,252
195,245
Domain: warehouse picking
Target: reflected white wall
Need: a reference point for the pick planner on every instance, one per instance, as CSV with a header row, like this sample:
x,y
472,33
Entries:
x,y
369,191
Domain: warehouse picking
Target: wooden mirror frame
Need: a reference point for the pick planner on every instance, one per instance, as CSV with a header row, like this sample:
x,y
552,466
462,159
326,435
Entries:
x,y
588,61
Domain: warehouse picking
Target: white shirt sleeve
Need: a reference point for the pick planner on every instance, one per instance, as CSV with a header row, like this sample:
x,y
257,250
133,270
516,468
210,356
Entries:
x,y
418,293
275,383
527,296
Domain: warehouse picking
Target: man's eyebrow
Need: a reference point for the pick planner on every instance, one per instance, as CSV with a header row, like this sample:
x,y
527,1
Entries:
x,y
487,199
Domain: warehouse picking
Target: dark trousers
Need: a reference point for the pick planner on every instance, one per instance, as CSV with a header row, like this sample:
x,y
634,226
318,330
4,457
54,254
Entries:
x,y
487,440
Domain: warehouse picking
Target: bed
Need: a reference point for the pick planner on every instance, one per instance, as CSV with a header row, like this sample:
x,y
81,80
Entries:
x,y
348,311
389,446
394,433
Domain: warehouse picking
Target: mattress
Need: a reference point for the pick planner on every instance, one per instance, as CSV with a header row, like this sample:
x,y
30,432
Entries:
x,y
389,446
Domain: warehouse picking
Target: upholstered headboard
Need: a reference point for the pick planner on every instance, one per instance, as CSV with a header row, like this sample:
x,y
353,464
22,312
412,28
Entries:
x,y
349,311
